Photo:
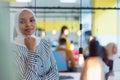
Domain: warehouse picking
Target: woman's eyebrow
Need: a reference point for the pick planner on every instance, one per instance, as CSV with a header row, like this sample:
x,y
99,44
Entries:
x,y
21,19
32,17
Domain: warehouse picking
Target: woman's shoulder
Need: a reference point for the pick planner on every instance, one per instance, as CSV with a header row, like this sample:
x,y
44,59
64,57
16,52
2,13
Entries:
x,y
15,44
43,39
44,42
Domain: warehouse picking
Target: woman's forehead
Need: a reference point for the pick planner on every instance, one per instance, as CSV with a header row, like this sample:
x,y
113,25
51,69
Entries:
x,y
26,13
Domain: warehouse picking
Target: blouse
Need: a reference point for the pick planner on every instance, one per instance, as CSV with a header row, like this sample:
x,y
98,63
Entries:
x,y
38,65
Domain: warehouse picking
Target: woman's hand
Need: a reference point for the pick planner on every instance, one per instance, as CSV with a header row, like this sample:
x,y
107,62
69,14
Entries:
x,y
30,43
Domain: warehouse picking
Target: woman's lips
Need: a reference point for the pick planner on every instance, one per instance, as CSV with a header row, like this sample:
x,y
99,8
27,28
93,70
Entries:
x,y
28,29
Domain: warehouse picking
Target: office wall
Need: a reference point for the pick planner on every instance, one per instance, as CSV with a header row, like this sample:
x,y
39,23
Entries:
x,y
51,25
118,28
106,25
117,59
105,21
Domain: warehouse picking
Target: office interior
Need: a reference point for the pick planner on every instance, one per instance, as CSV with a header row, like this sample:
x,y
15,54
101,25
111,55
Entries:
x,y
101,17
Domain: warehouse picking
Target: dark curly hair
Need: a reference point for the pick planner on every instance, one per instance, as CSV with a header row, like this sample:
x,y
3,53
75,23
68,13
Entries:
x,y
95,48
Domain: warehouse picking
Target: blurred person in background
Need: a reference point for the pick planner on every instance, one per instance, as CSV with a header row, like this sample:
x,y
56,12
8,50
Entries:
x,y
111,51
34,60
69,56
94,66
105,60
64,34
86,48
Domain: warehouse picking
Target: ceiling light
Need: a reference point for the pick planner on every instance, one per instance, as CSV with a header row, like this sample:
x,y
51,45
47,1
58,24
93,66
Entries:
x,y
54,32
68,1
23,0
79,33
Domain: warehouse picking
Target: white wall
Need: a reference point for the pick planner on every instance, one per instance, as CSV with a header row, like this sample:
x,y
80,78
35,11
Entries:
x,y
117,59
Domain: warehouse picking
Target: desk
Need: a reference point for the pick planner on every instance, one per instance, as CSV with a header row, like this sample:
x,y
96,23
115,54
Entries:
x,y
69,76
76,76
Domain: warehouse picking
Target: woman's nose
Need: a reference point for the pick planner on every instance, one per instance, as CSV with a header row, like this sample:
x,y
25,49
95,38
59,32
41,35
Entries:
x,y
28,23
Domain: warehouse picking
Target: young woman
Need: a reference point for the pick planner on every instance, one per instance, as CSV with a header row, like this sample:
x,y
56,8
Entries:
x,y
34,60
64,34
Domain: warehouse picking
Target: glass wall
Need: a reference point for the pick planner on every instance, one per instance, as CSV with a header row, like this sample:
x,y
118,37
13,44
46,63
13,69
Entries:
x,y
6,58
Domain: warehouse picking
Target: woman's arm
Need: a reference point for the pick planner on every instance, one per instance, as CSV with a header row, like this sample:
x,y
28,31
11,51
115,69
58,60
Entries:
x,y
31,67
71,59
52,73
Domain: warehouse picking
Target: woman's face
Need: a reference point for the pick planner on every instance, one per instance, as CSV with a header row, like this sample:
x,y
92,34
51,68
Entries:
x,y
66,32
114,49
27,23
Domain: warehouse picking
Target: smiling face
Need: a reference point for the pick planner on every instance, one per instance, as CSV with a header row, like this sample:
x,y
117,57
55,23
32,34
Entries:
x,y
27,23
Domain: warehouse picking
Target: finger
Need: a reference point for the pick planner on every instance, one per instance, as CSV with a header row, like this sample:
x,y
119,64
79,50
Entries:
x,y
28,36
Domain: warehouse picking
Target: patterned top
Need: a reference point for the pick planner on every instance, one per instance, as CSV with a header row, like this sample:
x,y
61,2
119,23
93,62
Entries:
x,y
38,65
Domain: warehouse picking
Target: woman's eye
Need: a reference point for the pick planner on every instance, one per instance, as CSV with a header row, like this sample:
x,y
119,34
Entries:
x,y
32,20
21,21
